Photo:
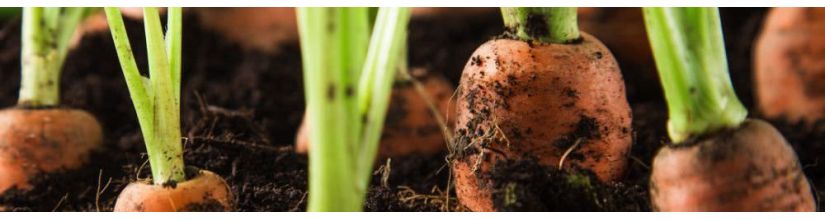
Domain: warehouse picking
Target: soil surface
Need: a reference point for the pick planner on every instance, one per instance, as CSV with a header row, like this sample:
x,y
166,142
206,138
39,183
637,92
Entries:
x,y
241,110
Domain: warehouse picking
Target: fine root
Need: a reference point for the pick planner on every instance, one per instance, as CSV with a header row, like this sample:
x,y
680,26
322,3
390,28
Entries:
x,y
568,151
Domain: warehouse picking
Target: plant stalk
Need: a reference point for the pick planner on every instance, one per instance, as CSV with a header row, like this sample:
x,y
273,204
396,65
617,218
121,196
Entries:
x,y
331,183
545,25
45,41
156,99
332,41
690,56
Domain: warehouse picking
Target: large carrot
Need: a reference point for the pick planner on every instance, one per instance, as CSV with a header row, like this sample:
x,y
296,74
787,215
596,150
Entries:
x,y
157,103
38,135
718,160
550,93
789,64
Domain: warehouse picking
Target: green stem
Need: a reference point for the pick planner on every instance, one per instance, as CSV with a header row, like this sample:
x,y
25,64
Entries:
x,y
690,56
546,25
326,79
383,58
332,39
45,40
156,99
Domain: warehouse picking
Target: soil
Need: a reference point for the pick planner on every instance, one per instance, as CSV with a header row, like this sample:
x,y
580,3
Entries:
x,y
241,110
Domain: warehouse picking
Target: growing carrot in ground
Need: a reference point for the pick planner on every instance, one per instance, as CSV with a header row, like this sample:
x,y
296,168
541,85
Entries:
x,y
789,64
549,93
38,136
347,92
157,103
718,160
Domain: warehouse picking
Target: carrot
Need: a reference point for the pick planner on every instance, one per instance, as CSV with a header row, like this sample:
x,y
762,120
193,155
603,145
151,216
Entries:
x,y
549,93
38,136
49,140
157,103
789,64
718,160
205,192
410,127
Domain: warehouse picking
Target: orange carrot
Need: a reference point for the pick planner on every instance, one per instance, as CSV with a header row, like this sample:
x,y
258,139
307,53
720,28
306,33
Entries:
x,y
37,141
38,136
789,64
719,160
205,192
542,98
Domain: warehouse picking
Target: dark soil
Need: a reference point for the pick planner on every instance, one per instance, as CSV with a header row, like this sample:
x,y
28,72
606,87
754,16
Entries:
x,y
241,110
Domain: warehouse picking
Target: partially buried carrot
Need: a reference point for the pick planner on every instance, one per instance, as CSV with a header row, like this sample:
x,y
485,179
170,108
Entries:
x,y
789,64
206,191
719,160
157,103
38,136
551,94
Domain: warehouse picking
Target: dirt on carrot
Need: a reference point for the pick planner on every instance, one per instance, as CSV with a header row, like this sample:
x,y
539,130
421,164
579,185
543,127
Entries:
x,y
251,104
749,168
201,191
512,89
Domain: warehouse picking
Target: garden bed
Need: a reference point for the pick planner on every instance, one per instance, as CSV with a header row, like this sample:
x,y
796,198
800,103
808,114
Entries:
x,y
241,110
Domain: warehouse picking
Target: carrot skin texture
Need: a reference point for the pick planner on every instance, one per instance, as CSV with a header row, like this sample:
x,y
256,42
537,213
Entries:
x,y
751,168
518,101
789,64
205,190
36,141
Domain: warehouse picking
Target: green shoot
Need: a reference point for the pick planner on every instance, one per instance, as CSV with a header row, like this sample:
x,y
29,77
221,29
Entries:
x,y
346,78
157,98
690,56
45,40
546,25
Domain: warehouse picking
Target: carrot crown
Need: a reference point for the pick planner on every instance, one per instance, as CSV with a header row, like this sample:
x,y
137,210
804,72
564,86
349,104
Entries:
x,y
348,77
690,56
46,36
546,25
156,98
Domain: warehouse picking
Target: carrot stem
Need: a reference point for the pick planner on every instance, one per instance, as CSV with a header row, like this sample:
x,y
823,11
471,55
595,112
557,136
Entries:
x,y
690,56
332,185
45,40
347,101
546,25
157,98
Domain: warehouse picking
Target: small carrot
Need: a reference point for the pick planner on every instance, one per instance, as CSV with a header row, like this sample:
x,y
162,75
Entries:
x,y
157,103
39,136
789,64
549,93
205,192
718,160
